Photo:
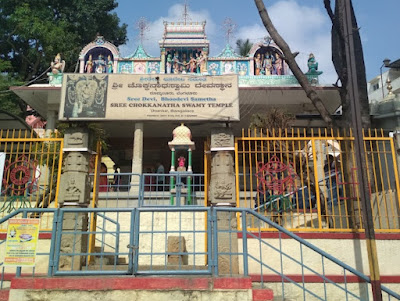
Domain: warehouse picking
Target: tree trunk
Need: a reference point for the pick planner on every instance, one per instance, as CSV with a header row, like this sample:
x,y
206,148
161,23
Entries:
x,y
291,61
340,63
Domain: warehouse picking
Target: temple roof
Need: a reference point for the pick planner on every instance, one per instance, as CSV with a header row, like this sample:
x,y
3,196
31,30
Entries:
x,y
228,52
140,53
184,34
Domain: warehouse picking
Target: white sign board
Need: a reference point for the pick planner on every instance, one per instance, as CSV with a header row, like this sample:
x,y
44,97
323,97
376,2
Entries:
x,y
149,97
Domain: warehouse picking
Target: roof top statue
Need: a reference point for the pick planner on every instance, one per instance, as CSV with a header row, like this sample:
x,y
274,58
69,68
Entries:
x,y
57,68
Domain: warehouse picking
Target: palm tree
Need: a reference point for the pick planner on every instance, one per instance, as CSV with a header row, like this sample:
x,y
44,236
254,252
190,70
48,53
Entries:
x,y
244,47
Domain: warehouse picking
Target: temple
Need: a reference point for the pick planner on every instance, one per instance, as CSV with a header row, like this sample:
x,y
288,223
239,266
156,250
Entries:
x,y
188,164
263,78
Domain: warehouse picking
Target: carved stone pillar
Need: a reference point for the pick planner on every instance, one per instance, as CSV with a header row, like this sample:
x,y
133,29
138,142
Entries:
x,y
222,193
75,192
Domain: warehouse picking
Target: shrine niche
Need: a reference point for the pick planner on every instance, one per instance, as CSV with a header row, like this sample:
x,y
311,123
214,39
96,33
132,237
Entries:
x,y
99,56
267,59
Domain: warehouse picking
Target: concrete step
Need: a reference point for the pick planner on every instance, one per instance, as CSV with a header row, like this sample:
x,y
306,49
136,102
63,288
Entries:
x,y
4,294
186,288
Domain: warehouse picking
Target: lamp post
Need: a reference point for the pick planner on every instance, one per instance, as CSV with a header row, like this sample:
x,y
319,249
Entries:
x,y
386,62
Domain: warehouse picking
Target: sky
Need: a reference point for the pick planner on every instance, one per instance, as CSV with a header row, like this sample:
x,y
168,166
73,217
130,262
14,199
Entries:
x,y
304,24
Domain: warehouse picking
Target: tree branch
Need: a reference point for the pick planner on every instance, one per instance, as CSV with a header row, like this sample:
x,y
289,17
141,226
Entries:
x,y
291,61
328,8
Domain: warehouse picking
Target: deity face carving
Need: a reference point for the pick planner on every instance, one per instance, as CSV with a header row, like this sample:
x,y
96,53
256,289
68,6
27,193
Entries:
x,y
86,91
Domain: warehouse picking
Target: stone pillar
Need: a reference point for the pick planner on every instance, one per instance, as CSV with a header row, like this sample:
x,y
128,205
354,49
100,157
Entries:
x,y
50,122
222,193
162,63
137,159
75,193
81,65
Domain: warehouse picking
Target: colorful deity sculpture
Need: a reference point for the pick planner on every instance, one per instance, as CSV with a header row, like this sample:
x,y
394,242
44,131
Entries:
x,y
181,164
169,64
278,64
58,65
192,64
203,62
312,65
89,65
258,64
197,62
110,65
176,63
57,69
267,64
100,64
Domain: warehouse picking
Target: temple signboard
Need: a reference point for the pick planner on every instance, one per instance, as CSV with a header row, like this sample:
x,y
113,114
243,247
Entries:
x,y
149,97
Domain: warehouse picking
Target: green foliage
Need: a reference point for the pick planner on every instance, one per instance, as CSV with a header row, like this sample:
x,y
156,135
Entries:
x,y
32,32
10,102
244,47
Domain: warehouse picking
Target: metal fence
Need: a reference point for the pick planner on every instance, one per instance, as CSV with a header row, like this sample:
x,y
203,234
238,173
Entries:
x,y
148,189
30,168
192,241
306,180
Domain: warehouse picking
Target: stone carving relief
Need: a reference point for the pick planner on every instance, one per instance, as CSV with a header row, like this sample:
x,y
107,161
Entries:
x,y
77,139
75,161
222,183
221,138
72,193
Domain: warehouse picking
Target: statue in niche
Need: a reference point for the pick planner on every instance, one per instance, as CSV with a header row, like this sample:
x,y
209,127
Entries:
x,y
169,63
58,65
110,65
258,64
89,65
100,64
176,63
181,164
278,64
267,64
183,64
192,64
203,62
